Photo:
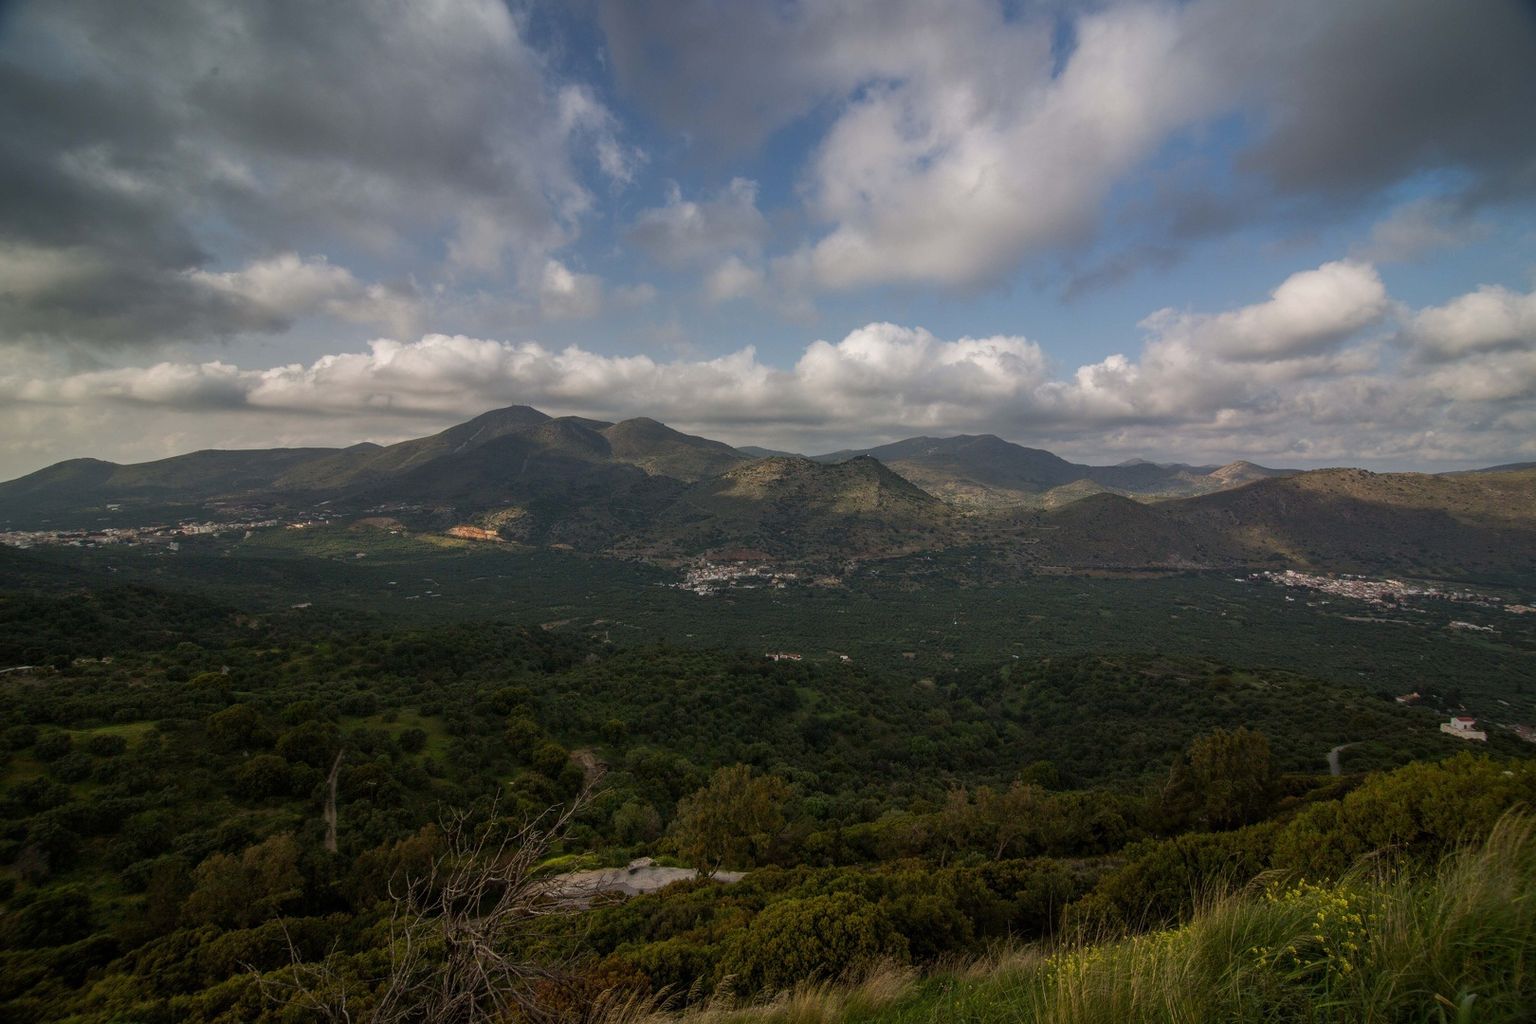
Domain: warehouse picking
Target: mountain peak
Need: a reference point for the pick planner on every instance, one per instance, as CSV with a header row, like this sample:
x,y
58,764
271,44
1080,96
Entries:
x,y
520,415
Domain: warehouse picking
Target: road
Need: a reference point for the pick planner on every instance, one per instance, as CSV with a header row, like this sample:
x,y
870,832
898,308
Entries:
x,y
1334,768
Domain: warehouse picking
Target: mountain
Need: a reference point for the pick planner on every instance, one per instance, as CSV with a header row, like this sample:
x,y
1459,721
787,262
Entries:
x,y
1350,517
987,472
192,477
357,465
758,452
1508,467
790,506
662,451
971,470
1235,474
1334,519
642,489
506,455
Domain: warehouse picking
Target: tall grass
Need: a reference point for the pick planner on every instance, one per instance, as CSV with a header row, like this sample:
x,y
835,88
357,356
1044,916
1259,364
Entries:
x,y
1454,943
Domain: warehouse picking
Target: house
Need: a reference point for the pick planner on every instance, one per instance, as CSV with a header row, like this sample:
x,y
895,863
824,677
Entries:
x,y
1464,728
1525,732
783,655
1409,698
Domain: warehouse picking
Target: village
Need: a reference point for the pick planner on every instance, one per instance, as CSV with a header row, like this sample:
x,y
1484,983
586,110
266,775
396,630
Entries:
x,y
1383,592
708,577
168,536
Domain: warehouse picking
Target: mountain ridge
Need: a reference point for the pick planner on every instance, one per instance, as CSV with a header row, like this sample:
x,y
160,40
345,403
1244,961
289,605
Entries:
x,y
985,471
640,488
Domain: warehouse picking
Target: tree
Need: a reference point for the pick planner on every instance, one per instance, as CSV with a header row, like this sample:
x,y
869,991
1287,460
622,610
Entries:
x,y
732,821
1016,819
49,917
236,728
636,822
263,776
241,891
1222,780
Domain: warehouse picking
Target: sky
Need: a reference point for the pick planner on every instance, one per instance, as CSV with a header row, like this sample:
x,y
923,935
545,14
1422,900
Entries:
x,y
1301,233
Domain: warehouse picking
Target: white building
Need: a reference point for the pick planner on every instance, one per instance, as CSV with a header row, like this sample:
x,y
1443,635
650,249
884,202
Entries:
x,y
1464,728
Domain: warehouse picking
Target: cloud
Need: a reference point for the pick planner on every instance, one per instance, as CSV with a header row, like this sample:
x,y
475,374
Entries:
x,y
967,139
287,286
566,295
1307,375
1419,228
1358,96
952,178
686,233
733,279
1490,318
106,303
138,149
1309,312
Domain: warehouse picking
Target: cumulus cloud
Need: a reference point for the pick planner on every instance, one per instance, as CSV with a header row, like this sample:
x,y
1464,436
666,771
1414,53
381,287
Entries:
x,y
1309,312
953,178
137,150
965,139
1490,318
881,375
1306,375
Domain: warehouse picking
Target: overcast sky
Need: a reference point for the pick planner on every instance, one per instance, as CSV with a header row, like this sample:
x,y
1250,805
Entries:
x,y
1298,232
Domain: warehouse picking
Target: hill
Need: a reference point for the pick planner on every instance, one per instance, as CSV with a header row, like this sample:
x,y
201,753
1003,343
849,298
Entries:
x,y
515,455
195,476
985,471
641,488
1335,519
788,506
662,451
971,470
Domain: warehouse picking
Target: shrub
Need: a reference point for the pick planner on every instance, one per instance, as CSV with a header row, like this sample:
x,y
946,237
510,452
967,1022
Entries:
x,y
819,937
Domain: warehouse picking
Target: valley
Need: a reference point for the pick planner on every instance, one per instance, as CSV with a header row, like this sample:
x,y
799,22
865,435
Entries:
x,y
949,693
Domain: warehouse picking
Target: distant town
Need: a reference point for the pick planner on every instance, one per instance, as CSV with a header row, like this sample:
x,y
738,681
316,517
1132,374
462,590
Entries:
x,y
157,534
707,577
1388,592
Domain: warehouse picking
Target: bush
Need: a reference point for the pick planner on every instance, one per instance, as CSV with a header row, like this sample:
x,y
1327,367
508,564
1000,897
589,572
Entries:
x,y
52,745
106,744
819,937
262,777
51,917
20,737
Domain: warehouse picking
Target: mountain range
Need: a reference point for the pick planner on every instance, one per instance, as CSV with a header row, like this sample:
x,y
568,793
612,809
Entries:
x,y
986,471
641,489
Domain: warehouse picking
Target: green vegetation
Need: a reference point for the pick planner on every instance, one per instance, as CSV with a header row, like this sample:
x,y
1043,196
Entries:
x,y
172,840
915,616
1452,943
264,773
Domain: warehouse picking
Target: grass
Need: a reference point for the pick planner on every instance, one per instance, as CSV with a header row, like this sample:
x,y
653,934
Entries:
x,y
437,733
1453,944
132,732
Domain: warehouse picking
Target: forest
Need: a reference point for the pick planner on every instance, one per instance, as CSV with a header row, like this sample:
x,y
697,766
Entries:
x,y
211,814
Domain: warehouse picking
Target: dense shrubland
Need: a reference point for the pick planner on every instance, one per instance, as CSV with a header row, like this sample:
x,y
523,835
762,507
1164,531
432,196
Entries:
x,y
168,858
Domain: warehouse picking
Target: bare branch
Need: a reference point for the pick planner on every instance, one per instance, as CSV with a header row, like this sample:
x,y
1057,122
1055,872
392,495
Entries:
x,y
453,955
